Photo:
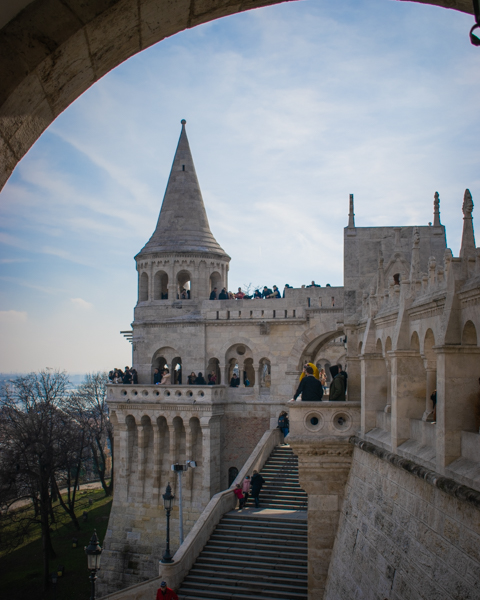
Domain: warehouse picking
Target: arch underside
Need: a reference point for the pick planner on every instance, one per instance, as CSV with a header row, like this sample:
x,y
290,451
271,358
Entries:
x,y
54,50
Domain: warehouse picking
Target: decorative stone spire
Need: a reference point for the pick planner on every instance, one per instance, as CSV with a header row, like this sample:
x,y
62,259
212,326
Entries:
x,y
415,264
351,214
183,224
468,237
436,210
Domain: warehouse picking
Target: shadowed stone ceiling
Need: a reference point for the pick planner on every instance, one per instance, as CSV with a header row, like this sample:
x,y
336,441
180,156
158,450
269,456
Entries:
x,y
51,51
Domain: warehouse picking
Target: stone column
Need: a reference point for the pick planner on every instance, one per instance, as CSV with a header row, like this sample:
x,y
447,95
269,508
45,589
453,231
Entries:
x,y
156,465
388,366
354,384
211,455
408,393
141,457
373,388
458,397
323,466
121,467
431,369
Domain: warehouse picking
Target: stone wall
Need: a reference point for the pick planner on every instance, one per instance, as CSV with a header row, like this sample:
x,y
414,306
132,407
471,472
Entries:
x,y
401,538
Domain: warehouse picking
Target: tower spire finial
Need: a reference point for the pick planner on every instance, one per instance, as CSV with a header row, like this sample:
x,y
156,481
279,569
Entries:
x,y
436,210
468,236
351,214
183,224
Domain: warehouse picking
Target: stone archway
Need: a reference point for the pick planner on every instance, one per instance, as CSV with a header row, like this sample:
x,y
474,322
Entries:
x,y
53,50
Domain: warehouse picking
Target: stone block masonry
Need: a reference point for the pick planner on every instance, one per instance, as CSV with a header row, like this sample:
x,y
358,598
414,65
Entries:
x,y
401,538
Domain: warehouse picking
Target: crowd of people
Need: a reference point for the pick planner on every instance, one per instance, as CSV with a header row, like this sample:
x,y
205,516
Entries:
x,y
312,384
241,295
258,294
128,376
250,487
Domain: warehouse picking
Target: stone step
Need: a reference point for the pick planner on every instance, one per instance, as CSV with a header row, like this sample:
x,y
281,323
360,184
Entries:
x,y
246,520
278,536
299,562
218,561
251,542
236,594
242,586
268,551
265,574
250,528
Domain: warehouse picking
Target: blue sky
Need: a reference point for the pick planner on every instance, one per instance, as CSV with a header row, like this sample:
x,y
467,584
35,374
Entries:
x,y
289,109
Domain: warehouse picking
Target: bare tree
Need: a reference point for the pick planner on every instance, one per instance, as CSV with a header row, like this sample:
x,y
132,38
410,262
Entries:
x,y
32,424
90,407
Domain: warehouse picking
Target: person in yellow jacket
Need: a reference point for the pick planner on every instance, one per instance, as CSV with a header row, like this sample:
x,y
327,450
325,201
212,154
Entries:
x,y
315,371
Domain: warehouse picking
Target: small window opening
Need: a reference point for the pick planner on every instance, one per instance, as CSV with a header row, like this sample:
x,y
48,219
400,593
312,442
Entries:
x,y
218,315
396,279
294,313
251,313
286,313
308,302
333,300
183,167
274,313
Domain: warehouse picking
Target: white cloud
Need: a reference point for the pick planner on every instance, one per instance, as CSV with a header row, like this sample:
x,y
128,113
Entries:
x,y
13,316
80,303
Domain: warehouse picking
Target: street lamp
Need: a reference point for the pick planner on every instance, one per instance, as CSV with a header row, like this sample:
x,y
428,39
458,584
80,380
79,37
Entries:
x,y
93,552
180,469
168,499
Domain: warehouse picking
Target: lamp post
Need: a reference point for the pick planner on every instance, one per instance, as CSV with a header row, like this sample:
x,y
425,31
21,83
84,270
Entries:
x,y
168,499
93,552
180,469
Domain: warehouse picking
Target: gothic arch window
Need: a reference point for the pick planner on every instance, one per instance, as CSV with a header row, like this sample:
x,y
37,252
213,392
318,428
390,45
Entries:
x,y
143,288
214,368
216,281
469,334
176,373
160,286
184,289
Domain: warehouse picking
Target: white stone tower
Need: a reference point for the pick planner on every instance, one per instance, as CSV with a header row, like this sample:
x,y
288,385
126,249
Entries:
x,y
177,269
182,252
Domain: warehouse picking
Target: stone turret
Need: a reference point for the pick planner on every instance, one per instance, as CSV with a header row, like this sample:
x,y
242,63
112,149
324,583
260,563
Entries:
x,y
182,259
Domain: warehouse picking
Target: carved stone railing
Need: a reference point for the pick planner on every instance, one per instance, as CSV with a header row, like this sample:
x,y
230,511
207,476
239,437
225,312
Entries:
x,y
156,394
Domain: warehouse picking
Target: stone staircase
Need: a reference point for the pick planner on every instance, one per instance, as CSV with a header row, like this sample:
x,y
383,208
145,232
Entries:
x,y
282,489
258,553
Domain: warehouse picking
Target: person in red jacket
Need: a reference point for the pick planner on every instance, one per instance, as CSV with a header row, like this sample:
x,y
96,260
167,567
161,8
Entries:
x,y
165,593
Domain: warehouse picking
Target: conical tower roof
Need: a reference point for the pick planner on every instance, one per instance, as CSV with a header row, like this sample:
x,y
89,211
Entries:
x,y
183,224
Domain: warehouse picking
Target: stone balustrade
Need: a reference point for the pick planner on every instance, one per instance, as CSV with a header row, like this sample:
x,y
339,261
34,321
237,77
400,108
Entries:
x,y
166,394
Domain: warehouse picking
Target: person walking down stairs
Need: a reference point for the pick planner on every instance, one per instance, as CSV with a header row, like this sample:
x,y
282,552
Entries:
x,y
165,593
256,484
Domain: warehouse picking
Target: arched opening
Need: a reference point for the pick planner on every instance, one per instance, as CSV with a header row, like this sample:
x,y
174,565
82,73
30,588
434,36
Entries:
x,y
184,290
213,372
237,358
179,454
145,453
143,288
469,334
232,475
160,286
430,362
194,452
216,281
132,455
162,468
248,377
176,373
415,342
